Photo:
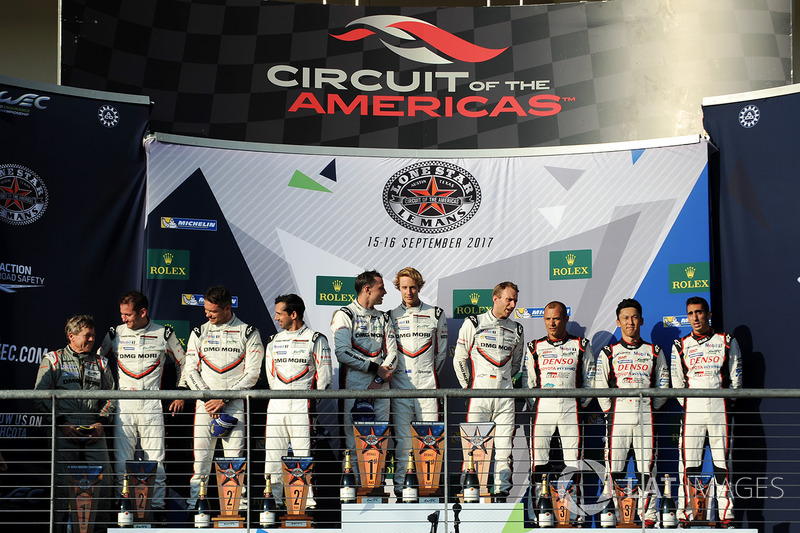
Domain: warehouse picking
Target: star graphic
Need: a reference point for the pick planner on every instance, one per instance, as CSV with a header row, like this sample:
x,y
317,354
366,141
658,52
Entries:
x,y
365,440
15,190
475,438
299,476
432,191
423,446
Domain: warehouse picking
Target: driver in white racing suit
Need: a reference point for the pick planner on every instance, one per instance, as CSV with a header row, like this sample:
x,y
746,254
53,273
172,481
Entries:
x,y
487,356
141,348
223,354
421,332
296,358
705,359
632,363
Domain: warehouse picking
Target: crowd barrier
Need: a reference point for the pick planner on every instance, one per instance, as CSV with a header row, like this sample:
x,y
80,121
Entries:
x,y
764,478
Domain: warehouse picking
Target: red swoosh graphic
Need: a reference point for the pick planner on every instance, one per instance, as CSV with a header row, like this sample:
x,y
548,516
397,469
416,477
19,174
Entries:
x,y
448,43
354,35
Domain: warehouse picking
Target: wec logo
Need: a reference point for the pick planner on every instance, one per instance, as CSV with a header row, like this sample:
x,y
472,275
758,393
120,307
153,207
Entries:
x,y
26,100
431,44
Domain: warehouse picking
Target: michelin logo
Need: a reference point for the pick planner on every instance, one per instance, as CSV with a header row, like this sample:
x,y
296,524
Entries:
x,y
198,300
534,312
677,321
188,223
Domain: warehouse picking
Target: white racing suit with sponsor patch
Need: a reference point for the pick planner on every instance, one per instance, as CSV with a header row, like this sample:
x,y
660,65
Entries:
x,y
422,345
294,360
488,355
566,363
363,340
630,420
141,355
712,361
220,357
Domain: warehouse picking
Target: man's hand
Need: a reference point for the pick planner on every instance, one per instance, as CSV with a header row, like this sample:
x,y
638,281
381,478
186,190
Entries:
x,y
214,407
72,433
96,433
385,373
176,407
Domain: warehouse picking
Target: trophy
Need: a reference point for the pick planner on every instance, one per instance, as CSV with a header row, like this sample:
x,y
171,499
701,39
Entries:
x,y
296,483
699,485
86,487
371,441
230,479
478,438
627,496
143,474
428,436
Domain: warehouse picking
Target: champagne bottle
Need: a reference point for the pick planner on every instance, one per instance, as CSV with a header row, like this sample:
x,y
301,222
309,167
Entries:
x,y
347,492
203,516
545,507
125,515
472,489
267,516
669,513
410,484
608,516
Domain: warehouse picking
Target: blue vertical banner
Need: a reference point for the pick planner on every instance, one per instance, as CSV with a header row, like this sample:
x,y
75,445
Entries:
x,y
72,199
754,192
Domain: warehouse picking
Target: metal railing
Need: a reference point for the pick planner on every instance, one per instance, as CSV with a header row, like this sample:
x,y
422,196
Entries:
x,y
765,470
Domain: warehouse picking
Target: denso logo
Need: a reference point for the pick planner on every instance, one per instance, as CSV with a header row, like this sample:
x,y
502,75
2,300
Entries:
x,y
705,359
634,366
26,100
404,30
558,361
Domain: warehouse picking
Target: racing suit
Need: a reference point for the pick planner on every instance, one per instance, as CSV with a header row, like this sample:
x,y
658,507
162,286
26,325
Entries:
x,y
67,370
363,341
488,355
712,361
632,366
220,357
294,360
422,345
141,355
566,363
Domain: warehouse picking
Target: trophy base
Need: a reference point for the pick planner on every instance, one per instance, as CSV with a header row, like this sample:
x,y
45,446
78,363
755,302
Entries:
x,y
627,525
700,524
228,521
296,520
371,495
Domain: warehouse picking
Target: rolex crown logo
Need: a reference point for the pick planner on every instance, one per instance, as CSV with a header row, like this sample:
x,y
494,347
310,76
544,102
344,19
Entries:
x,y
168,257
570,259
690,272
474,297
337,285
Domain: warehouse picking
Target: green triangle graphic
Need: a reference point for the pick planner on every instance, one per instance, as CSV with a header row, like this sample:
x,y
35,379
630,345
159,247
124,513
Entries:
x,y
301,181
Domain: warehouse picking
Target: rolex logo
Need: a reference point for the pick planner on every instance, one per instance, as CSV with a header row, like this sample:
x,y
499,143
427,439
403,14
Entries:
x,y
168,257
337,285
474,297
570,259
689,272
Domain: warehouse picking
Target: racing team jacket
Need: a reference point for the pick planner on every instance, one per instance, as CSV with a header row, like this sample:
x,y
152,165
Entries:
x,y
298,360
632,366
364,340
566,363
224,356
66,370
142,353
712,361
488,352
422,344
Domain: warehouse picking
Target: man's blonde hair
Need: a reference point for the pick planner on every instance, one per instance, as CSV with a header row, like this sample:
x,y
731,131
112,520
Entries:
x,y
409,272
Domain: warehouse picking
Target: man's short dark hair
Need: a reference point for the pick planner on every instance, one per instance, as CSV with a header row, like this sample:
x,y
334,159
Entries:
x,y
135,298
366,279
293,303
629,302
698,300
556,303
219,295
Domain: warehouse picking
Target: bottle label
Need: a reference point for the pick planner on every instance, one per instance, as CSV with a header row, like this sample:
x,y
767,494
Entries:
x,y
410,495
546,519
266,518
608,519
347,494
669,520
471,494
202,520
124,519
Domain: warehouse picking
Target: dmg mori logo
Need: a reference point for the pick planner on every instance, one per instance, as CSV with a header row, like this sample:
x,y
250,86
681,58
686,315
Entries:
x,y
571,264
167,264
689,277
337,290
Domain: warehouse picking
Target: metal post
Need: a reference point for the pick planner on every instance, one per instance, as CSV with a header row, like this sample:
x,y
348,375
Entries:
x,y
53,489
